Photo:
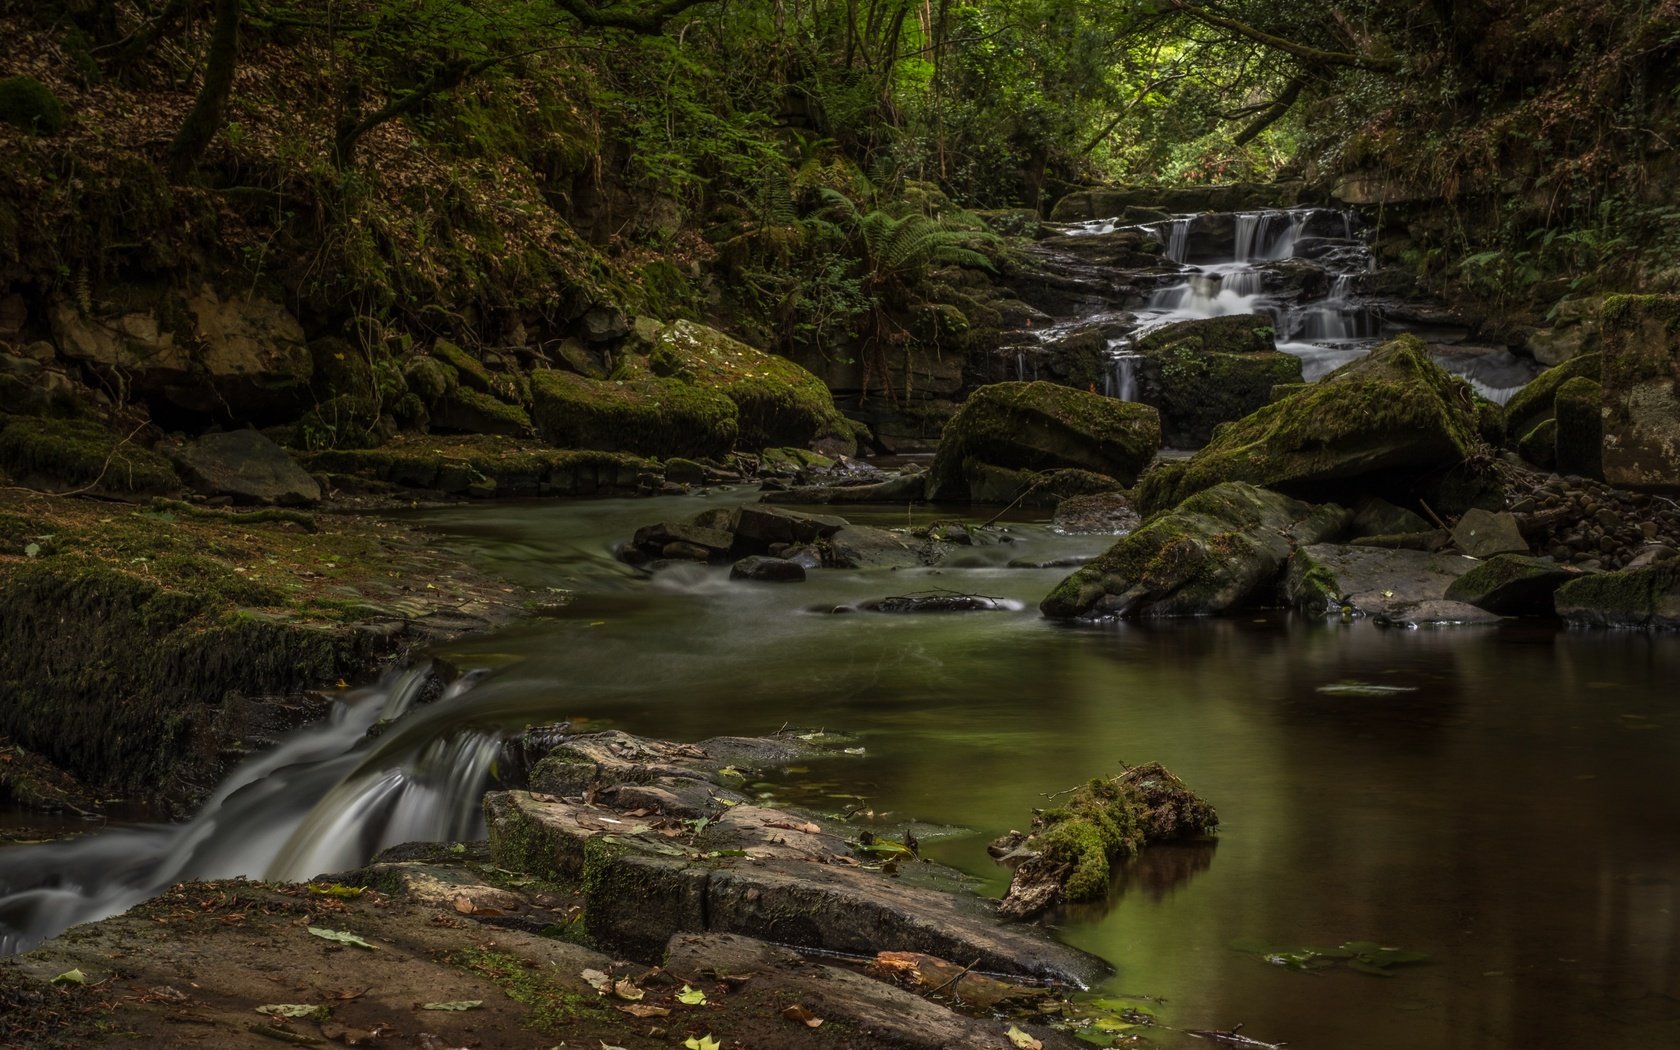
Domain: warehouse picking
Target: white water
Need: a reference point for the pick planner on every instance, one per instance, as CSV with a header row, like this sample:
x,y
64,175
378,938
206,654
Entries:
x,y
326,798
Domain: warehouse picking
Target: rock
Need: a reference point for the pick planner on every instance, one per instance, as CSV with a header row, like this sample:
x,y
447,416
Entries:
x,y
1436,613
905,488
603,323
1484,533
935,602
469,411
1512,585
763,525
1102,202
1041,426
765,569
60,454
1579,437
1374,516
1327,578
1651,554
246,466
866,547
777,402
1646,597
1535,402
1028,488
657,536
1104,512
1539,445
1376,421
648,416
1217,551
684,471
881,1014
1201,373
1641,417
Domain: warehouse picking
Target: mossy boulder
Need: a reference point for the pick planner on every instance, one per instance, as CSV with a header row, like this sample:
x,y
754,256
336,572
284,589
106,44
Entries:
x,y
1579,439
649,416
1042,427
63,454
470,411
28,104
1219,550
1205,372
1513,585
1539,445
777,402
470,370
1641,418
1648,597
1383,419
1535,403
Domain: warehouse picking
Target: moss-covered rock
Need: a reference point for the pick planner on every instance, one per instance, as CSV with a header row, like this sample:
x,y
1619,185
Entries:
x,y
1641,419
75,453
1534,403
1042,427
1648,597
649,416
470,411
470,370
1032,488
487,465
1512,585
28,104
777,402
1580,428
1539,445
1217,551
1205,372
1332,579
430,378
1389,415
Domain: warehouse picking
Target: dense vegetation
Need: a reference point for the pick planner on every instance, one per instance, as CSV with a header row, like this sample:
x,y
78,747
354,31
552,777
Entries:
x,y
491,170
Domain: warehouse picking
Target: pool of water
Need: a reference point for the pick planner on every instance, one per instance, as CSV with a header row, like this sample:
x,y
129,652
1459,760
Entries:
x,y
1506,804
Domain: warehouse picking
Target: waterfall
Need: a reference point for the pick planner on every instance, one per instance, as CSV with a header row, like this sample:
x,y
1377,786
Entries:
x,y
1177,237
328,797
1121,380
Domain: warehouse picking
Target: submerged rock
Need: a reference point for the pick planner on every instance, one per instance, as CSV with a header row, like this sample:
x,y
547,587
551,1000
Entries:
x,y
1041,427
1217,551
247,466
1373,422
935,602
766,569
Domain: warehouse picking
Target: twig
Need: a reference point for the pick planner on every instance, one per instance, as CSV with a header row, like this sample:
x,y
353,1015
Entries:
x,y
959,976
1427,509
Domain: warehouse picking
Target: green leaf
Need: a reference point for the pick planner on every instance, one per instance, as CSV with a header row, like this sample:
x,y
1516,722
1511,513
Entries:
x,y
32,551
455,1004
340,937
691,996
704,1042
294,1010
70,977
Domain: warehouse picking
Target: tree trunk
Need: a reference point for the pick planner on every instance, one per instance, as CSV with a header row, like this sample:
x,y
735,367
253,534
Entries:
x,y
205,119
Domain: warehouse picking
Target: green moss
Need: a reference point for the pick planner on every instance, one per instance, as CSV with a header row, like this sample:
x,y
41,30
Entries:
x,y
76,453
471,372
777,402
28,104
1539,445
1394,409
516,468
1580,429
486,414
554,1008
430,378
1634,598
345,421
653,417
1535,402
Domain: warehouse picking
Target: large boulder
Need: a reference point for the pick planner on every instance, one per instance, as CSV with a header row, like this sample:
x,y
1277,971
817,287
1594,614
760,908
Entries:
x,y
1647,597
1513,585
1328,578
1536,402
246,467
777,402
649,416
1641,341
1217,551
1205,372
1042,427
1370,424
1578,443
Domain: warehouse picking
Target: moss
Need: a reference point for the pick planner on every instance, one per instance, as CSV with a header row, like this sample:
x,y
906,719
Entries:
x,y
1648,597
1580,429
1392,410
28,104
777,402
345,421
1197,389
1535,402
476,412
554,1008
430,378
650,416
1539,445
518,469
472,373
77,453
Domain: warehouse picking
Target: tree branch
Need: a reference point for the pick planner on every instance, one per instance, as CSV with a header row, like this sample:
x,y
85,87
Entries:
x,y
1305,52
1273,112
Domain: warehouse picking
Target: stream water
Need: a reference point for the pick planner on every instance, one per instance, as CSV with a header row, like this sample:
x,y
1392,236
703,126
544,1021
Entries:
x,y
1502,801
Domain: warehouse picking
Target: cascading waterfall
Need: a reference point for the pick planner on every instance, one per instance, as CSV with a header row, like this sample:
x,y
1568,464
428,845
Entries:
x,y
327,798
1177,238
1120,382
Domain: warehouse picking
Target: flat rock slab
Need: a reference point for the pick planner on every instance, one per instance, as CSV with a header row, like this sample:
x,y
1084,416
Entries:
x,y
1484,533
247,467
1513,585
1371,581
886,1015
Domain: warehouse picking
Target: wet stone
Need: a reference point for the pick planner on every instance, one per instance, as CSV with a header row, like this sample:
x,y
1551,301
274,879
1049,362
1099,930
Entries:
x,y
765,569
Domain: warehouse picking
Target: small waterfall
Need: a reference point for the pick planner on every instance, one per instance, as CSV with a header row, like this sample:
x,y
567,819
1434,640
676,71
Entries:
x,y
1206,295
326,798
1177,237
1121,381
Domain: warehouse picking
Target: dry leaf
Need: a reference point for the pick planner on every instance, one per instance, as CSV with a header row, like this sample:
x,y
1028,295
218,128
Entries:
x,y
646,1010
803,1016
597,980
1023,1040
626,989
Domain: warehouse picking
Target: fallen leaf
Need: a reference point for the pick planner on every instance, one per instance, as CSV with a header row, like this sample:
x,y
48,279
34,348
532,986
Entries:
x,y
455,1004
704,1042
70,977
803,1016
340,937
336,889
1023,1040
646,1010
597,980
691,996
626,989
292,1010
